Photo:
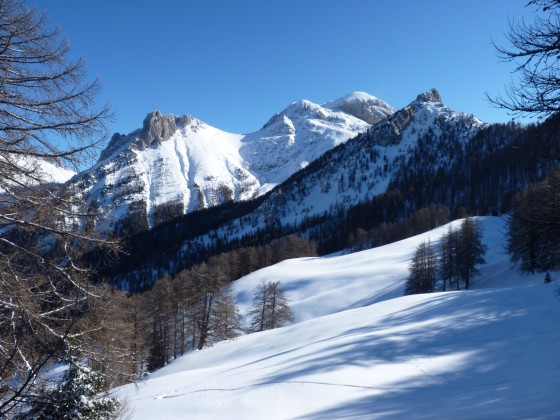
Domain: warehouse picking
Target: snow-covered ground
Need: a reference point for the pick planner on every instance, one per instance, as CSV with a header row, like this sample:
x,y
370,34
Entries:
x,y
360,350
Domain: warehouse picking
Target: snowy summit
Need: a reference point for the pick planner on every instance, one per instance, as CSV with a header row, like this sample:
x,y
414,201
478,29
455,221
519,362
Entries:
x,y
176,165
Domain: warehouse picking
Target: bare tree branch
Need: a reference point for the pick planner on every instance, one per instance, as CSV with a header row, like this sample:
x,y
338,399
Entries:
x,y
535,52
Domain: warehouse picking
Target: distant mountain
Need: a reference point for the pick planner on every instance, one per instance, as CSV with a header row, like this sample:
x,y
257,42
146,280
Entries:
x,y
360,169
315,200
32,171
176,165
363,106
424,162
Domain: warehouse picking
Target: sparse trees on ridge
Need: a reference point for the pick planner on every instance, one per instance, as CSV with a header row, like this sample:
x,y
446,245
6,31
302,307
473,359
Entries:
x,y
460,252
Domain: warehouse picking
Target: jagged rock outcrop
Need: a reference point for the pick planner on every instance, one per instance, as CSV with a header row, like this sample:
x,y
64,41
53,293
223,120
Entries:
x,y
389,131
431,95
156,129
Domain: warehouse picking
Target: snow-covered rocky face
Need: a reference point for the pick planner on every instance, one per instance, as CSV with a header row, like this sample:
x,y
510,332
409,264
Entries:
x,y
184,164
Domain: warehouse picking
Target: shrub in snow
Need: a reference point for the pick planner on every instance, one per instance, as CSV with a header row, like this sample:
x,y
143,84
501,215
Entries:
x,y
79,395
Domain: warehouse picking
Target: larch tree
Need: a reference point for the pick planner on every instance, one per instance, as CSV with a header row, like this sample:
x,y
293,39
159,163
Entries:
x,y
534,226
270,308
225,320
535,50
47,114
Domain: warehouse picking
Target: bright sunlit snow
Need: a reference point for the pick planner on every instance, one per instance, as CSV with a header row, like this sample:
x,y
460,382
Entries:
x,y
360,350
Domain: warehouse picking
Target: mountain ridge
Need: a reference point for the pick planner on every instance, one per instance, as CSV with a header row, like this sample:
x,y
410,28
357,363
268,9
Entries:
x,y
175,165
317,199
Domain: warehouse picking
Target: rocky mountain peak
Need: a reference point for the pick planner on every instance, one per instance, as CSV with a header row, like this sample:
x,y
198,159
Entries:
x,y
388,132
431,95
156,129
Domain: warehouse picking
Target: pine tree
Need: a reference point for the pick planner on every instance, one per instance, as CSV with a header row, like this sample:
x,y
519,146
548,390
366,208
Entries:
x,y
78,396
448,259
470,250
423,270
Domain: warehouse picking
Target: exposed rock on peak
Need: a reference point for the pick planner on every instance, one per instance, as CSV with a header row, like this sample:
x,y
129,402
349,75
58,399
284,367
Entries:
x,y
431,95
117,140
422,111
156,129
388,131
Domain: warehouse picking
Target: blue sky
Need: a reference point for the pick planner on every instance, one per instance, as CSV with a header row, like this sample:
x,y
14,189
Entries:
x,y
233,64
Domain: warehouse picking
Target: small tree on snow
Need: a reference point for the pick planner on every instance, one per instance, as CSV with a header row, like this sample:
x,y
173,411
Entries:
x,y
448,258
423,270
79,395
270,308
471,250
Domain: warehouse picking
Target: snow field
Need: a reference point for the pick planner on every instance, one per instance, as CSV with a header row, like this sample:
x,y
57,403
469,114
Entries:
x,y
362,350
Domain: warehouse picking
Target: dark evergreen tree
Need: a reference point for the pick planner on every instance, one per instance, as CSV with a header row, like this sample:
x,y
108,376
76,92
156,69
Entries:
x,y
470,250
448,259
78,396
422,270
534,226
524,235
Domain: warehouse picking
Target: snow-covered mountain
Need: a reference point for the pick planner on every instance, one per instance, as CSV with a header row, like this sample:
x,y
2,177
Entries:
x,y
175,165
301,133
361,168
361,350
426,134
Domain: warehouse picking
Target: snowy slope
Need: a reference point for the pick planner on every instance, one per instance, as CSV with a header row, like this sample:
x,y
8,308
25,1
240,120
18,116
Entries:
x,y
53,172
301,133
42,170
175,165
482,353
363,106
